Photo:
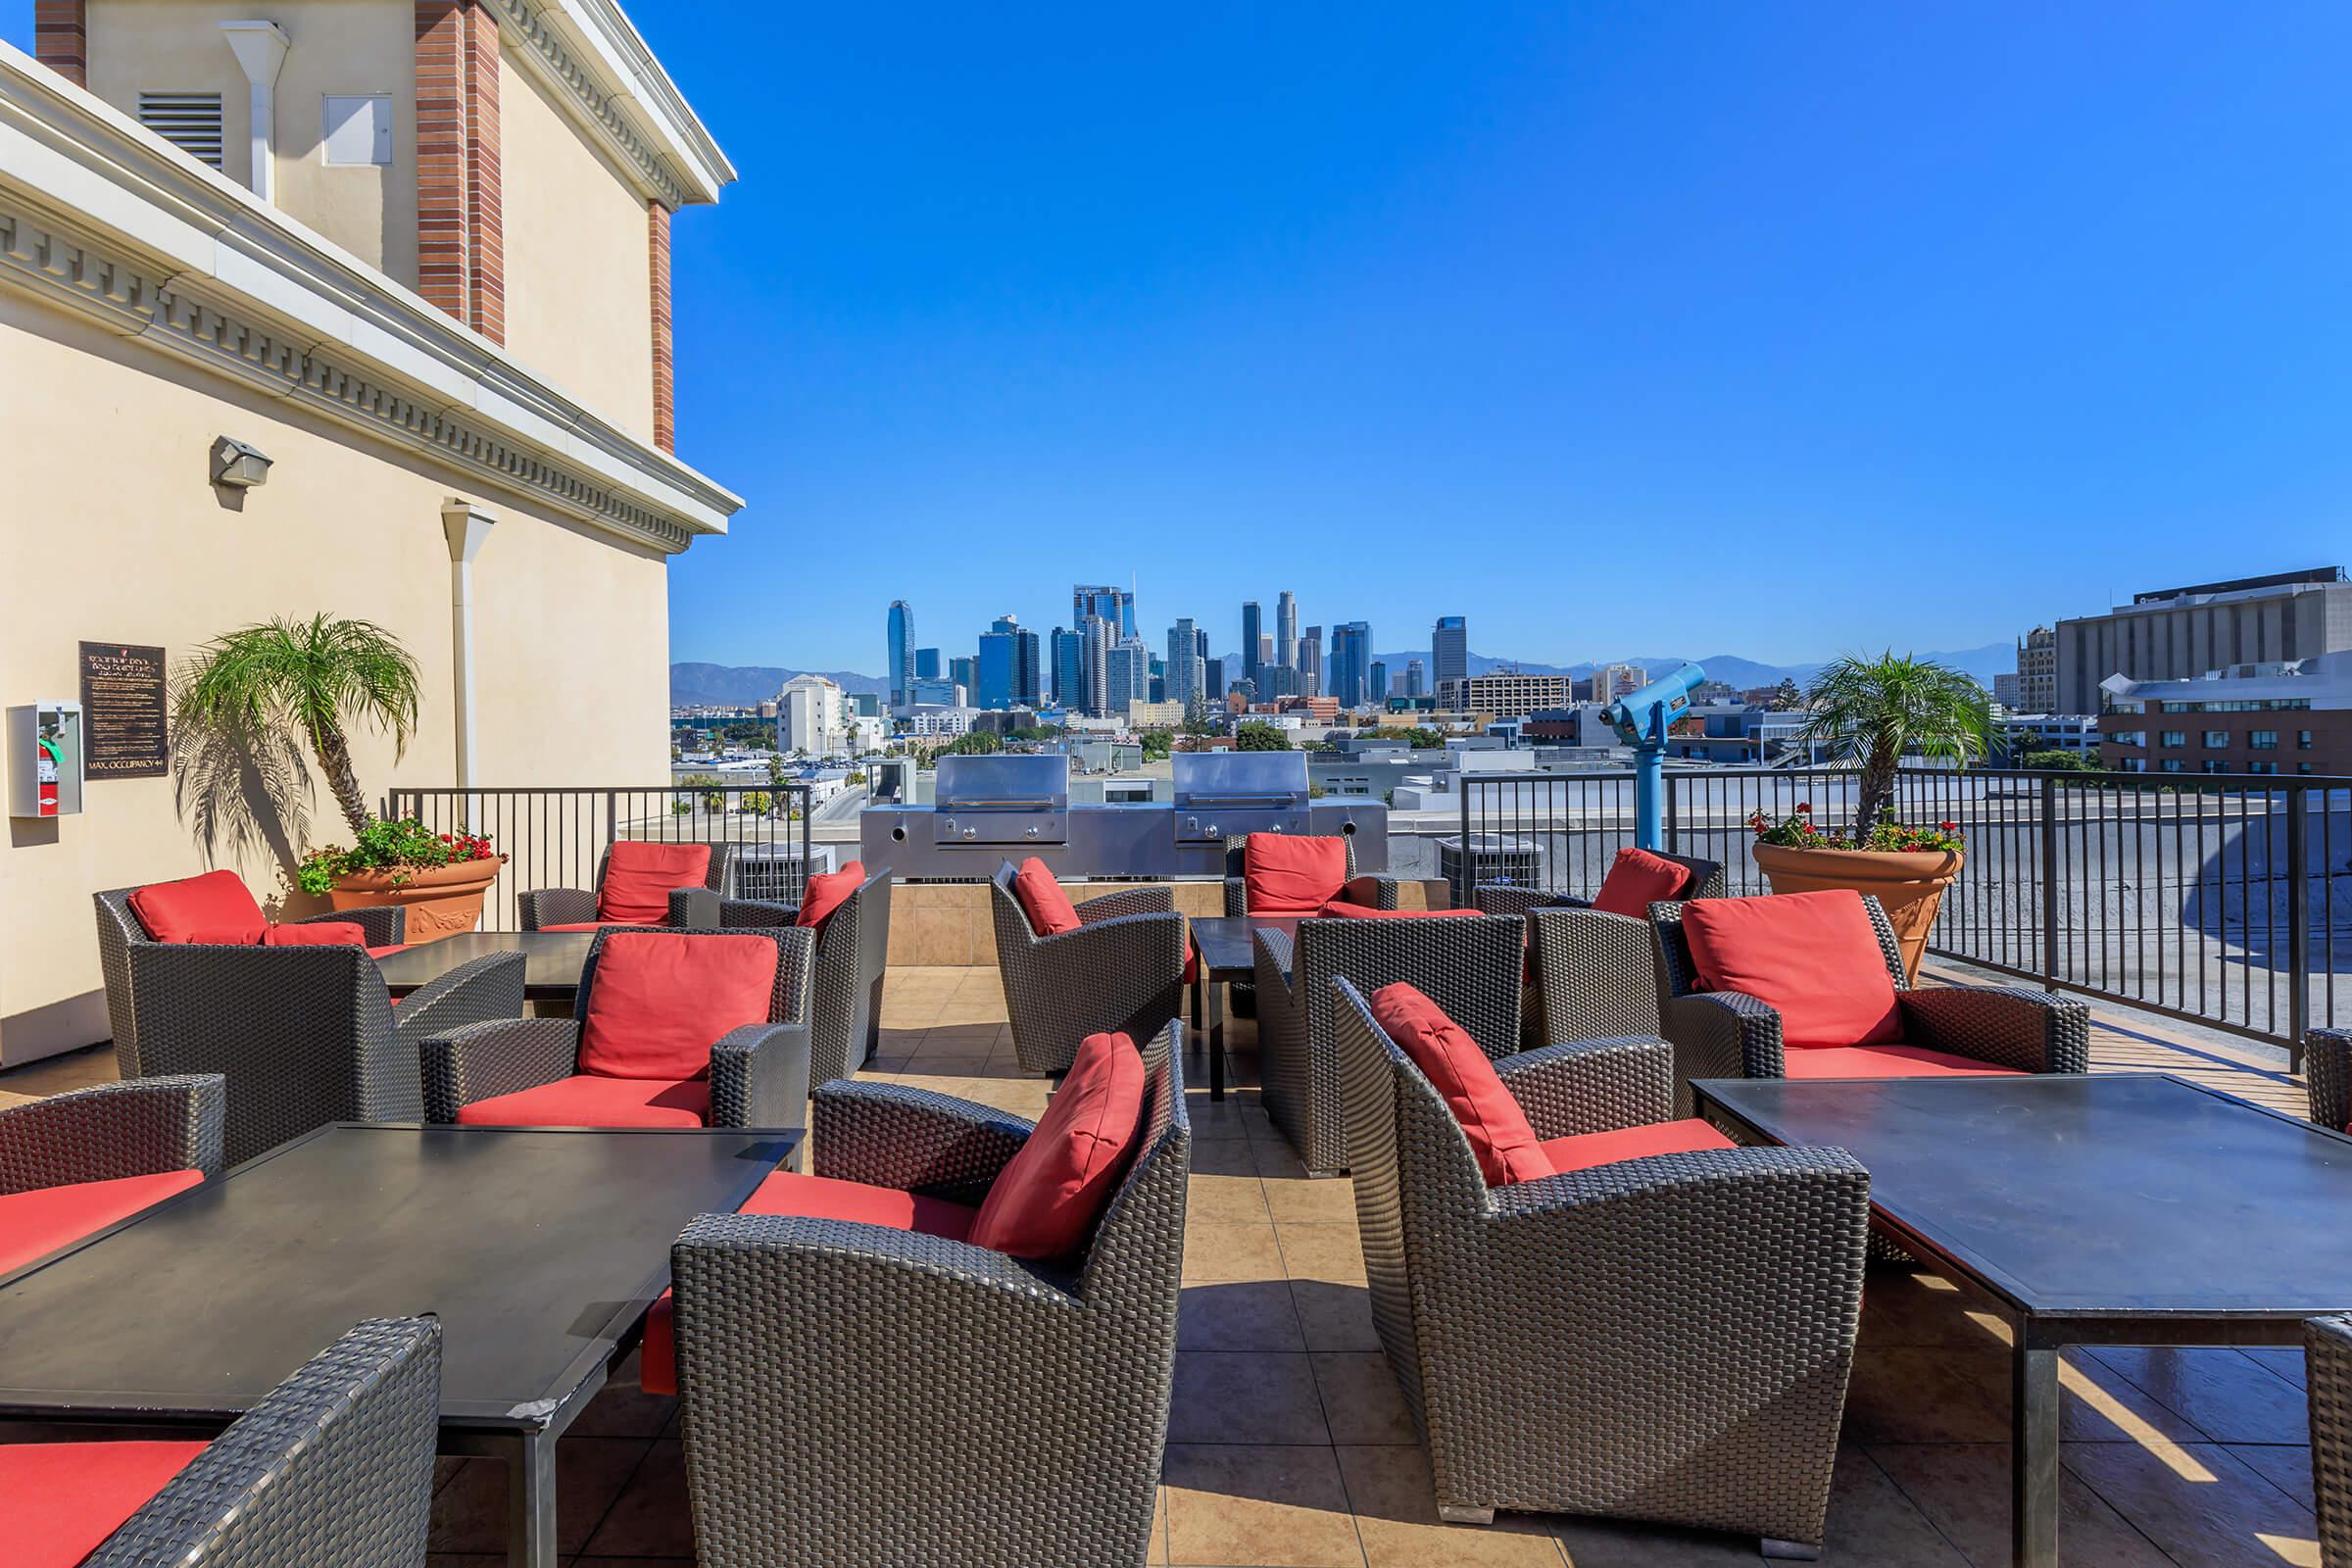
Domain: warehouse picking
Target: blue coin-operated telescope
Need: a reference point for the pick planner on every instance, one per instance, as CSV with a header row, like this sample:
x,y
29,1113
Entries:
x,y
1641,719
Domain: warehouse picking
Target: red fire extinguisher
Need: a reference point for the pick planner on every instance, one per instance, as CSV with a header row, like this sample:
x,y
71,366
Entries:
x,y
51,754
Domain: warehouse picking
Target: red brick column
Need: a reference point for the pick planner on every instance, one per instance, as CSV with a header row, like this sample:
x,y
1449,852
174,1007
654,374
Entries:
x,y
461,234
665,415
61,39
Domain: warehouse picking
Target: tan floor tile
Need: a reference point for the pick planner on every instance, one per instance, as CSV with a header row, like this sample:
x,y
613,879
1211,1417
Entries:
x,y
1158,1551
2230,1398
2286,1468
1220,1198
1244,1315
1335,1316
1872,1521
1928,1395
2230,1519
1963,1490
650,1517
1312,1200
1247,1397
2286,1360
1361,1401
470,1513
1322,1253
1396,1515
1222,1254
1270,1506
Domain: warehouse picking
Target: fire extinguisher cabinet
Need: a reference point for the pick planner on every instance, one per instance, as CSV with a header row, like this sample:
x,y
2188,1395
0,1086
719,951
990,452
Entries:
x,y
44,758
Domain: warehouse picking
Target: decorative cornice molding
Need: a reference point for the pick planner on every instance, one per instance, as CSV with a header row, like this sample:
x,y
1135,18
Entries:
x,y
51,263
660,141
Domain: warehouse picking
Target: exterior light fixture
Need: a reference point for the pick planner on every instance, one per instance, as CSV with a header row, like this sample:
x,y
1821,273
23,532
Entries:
x,y
238,466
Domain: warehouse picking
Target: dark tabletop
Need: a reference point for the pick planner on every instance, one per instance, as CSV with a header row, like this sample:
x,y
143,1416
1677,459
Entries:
x,y
551,959
1226,945
540,1249
2105,1196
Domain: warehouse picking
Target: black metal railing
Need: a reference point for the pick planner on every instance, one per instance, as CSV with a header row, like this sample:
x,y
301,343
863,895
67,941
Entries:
x,y
555,838
2226,900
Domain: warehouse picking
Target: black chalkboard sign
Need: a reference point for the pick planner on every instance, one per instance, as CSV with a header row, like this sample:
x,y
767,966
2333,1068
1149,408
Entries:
x,y
123,734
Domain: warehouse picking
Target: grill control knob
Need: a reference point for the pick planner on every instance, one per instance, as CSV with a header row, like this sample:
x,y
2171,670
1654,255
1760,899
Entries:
x,y
970,833
1029,832
1212,831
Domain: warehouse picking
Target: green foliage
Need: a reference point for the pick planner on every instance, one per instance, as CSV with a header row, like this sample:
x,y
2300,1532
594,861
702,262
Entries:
x,y
1797,832
1786,698
1257,735
1157,743
1420,737
1871,711
755,803
713,798
2065,761
979,743
402,845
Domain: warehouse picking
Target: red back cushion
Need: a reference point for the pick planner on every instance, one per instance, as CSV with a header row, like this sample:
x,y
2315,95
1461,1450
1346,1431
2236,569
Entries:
x,y
1046,1201
661,1000
828,892
1506,1146
1637,879
638,878
317,934
1290,873
1050,910
1813,957
216,904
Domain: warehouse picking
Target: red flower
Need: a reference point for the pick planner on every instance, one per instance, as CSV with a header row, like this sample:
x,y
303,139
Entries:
x,y
1804,807
1947,827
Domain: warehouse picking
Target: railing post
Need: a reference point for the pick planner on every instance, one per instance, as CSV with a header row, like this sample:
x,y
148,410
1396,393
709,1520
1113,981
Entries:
x,y
2050,881
2298,926
1465,863
1672,841
807,837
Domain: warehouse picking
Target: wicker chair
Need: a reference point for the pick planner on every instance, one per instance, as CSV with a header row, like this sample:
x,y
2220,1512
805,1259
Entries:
x,y
304,1036
1592,974
1468,964
759,1072
1665,1339
2328,1076
1726,1034
2328,1372
334,1465
111,1133
953,1406
1121,971
1373,890
576,907
853,957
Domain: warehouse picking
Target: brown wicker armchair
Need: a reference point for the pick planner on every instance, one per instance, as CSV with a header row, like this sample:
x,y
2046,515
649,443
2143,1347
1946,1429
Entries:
x,y
1591,976
334,1465
303,1036
2328,1374
853,959
122,1147
1726,1034
2327,1077
1468,964
575,909
759,1073
955,1406
1121,971
1664,1339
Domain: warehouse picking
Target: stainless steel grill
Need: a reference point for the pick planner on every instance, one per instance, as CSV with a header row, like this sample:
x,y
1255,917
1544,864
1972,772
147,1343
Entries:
x,y
1000,802
1222,794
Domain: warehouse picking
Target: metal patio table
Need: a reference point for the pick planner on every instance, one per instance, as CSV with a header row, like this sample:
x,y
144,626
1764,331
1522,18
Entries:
x,y
2124,1209
551,960
540,1249
1224,951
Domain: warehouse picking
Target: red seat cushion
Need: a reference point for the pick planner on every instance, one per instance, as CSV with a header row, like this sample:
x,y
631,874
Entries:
x,y
61,1500
1292,874
829,892
1812,957
811,1197
1048,908
218,904
386,953
1046,1201
596,925
639,877
315,934
1587,1150
1887,1061
659,1001
37,1223
1637,879
1342,910
1500,1136
588,1099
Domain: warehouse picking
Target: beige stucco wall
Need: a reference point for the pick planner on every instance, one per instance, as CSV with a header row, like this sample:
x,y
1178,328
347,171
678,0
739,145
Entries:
x,y
338,46
579,303
114,533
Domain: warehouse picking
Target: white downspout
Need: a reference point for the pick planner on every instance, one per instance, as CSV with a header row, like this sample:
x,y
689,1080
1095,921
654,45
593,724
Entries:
x,y
468,527
260,49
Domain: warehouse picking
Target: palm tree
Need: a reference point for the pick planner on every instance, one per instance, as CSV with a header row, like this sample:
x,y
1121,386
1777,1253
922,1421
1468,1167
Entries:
x,y
1869,712
306,680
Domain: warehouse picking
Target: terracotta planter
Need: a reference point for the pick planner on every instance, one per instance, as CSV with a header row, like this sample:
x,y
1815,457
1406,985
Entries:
x,y
1909,885
441,901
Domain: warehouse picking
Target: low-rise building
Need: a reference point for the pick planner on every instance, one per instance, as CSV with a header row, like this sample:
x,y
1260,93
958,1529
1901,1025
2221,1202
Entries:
x,y
1154,715
2023,733
2293,718
1505,693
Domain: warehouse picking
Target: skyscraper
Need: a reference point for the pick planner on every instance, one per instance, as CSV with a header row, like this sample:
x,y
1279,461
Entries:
x,y
1008,675
1187,680
1115,604
1252,634
1099,640
1416,678
964,673
1376,688
1128,678
926,663
1350,671
1307,657
1286,631
901,670
1216,680
1068,650
1450,647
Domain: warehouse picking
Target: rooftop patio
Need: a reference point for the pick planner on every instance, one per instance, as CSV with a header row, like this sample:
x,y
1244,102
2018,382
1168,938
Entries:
x,y
1289,1444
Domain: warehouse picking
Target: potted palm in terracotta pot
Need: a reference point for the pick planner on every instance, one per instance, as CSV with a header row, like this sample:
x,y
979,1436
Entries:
x,y
1869,712
287,685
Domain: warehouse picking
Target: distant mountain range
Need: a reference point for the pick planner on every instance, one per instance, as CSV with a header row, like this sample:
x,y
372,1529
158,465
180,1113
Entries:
x,y
726,685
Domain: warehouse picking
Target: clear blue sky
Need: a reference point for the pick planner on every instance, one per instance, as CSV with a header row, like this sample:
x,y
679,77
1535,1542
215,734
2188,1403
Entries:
x,y
1621,328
